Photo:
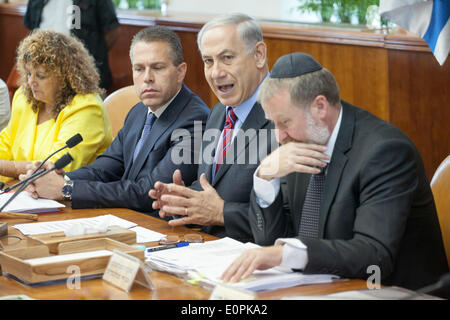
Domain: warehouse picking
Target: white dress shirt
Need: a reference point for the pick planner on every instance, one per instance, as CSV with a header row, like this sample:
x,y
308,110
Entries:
x,y
163,108
55,16
294,251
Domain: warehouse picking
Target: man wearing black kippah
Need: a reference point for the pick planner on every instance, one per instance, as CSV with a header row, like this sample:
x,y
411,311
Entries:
x,y
344,193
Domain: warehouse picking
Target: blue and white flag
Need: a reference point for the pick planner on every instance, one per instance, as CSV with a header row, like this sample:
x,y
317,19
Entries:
x,y
429,19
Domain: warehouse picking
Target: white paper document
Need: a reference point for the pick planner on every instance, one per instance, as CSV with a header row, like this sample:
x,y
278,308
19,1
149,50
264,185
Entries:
x,y
145,235
207,261
66,225
25,203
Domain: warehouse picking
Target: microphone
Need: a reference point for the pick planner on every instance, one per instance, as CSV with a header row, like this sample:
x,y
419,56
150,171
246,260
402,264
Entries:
x,y
72,142
59,164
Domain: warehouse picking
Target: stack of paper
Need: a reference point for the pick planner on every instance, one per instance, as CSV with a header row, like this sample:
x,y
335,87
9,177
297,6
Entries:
x,y
25,203
65,225
142,234
207,261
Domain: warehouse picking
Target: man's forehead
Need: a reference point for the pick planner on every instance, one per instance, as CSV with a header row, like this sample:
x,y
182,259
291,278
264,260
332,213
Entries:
x,y
279,104
219,39
151,51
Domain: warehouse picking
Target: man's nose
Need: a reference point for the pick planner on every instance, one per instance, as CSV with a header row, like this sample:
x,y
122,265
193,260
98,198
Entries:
x,y
148,76
281,135
217,71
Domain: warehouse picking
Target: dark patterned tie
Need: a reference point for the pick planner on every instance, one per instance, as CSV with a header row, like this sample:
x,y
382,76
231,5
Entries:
x,y
227,138
309,222
147,127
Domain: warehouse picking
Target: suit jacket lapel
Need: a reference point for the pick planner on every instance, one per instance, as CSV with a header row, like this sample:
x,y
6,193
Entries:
x,y
255,120
159,127
216,122
337,164
132,137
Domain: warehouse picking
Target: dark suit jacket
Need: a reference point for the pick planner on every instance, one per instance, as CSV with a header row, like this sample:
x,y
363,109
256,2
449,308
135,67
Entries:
x,y
234,181
377,208
113,180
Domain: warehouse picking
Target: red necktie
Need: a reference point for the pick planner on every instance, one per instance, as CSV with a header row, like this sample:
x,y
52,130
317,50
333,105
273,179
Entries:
x,y
227,136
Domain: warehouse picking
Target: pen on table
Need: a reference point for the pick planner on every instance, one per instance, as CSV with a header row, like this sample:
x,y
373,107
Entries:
x,y
168,246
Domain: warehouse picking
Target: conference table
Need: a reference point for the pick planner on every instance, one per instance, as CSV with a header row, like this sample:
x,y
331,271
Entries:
x,y
167,287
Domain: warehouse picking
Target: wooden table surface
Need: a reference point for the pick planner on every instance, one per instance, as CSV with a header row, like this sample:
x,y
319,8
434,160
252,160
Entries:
x,y
167,287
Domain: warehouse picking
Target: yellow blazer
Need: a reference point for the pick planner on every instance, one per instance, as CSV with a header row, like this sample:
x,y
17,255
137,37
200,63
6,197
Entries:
x,y
24,140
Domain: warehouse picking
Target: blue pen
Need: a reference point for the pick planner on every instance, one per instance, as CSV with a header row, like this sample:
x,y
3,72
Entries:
x,y
168,246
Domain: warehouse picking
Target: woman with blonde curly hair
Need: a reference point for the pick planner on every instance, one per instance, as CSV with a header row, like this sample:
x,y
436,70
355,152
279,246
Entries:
x,y
59,97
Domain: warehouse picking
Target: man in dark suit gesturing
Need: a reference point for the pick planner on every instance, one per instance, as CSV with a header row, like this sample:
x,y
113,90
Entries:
x,y
348,186
235,65
157,132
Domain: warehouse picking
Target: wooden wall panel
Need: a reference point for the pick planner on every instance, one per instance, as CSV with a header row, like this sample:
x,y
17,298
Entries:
x,y
119,58
394,76
12,32
419,95
361,72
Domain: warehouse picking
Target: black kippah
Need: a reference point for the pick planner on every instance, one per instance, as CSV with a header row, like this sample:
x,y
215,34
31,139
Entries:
x,y
294,65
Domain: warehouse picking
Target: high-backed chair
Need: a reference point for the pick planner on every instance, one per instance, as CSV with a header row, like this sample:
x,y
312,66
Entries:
x,y
440,185
13,82
118,104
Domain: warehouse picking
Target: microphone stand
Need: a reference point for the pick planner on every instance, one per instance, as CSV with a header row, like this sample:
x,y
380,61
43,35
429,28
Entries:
x,y
72,142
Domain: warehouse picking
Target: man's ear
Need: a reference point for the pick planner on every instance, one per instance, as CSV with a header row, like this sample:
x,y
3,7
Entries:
x,y
182,69
260,54
320,107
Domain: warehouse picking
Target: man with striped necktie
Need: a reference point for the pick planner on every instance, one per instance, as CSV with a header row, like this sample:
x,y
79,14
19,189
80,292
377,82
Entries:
x,y
235,65
344,194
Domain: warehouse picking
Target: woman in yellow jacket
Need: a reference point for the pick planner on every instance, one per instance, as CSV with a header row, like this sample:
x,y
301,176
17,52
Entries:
x,y
58,98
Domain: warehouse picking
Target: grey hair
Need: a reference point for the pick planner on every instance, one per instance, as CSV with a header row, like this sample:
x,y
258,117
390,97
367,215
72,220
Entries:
x,y
303,89
158,33
248,29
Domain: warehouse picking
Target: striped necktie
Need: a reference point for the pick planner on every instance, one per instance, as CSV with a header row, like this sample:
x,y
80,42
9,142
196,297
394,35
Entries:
x,y
227,135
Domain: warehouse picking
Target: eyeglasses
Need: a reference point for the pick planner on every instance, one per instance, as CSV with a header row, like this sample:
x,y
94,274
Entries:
x,y
10,240
190,237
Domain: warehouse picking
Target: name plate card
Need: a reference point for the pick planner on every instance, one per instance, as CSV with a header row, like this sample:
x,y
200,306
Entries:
x,y
225,292
123,270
